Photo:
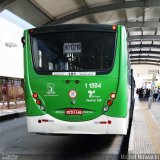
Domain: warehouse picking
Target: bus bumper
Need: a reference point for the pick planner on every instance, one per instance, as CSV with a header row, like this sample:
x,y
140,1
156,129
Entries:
x,y
47,124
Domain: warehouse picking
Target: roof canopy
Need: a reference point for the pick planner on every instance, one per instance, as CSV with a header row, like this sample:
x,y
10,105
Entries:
x,y
141,18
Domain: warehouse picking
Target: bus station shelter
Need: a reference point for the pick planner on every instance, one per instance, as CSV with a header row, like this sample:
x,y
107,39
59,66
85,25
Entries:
x,y
142,21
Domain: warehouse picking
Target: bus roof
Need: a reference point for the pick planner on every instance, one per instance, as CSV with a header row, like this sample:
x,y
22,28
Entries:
x,y
72,27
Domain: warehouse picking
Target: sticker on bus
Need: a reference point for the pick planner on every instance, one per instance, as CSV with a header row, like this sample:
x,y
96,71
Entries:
x,y
72,94
74,48
74,73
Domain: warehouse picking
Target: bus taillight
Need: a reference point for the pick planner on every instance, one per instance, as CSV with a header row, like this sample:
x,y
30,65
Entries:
x,y
31,30
114,27
35,95
113,95
109,102
38,101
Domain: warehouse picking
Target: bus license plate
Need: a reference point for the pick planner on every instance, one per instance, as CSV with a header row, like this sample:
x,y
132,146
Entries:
x,y
71,111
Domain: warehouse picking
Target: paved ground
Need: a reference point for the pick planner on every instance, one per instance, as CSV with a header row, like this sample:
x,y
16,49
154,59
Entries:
x,y
16,142
145,131
155,112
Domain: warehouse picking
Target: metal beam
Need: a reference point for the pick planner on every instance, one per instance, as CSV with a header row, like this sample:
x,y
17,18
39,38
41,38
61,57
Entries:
x,y
90,18
145,63
151,24
144,11
145,37
125,13
38,7
146,60
106,8
144,46
144,52
145,56
5,3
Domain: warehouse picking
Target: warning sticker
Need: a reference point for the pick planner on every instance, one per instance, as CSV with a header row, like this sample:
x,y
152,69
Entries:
x,y
72,93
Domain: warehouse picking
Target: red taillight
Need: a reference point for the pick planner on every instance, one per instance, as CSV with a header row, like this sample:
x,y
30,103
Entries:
x,y
114,27
38,101
31,30
109,102
35,95
113,95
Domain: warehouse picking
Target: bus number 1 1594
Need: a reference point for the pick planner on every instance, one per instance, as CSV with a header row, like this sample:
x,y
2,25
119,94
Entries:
x,y
93,85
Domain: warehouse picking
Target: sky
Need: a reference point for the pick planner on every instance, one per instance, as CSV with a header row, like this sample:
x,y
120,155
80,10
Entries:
x,y
11,31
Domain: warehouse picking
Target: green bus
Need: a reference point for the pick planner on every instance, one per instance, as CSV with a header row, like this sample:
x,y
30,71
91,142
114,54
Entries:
x,y
77,79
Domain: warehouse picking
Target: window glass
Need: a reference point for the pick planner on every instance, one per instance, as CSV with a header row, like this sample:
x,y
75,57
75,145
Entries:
x,y
74,51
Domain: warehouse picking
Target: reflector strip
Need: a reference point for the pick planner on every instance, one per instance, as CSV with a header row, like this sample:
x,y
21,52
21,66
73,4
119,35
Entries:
x,y
44,120
103,122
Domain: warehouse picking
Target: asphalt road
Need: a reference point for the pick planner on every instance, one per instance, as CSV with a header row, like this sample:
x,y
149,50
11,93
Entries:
x,y
16,144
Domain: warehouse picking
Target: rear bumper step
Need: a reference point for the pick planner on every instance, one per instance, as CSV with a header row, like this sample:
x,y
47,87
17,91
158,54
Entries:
x,y
47,124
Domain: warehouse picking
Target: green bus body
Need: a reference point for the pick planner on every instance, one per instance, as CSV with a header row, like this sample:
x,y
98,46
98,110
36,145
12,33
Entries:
x,y
92,91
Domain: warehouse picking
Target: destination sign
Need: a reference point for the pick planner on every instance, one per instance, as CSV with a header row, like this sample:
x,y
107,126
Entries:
x,y
72,48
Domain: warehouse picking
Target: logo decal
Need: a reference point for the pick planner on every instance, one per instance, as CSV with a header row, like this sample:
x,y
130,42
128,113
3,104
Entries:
x,y
51,89
91,93
93,97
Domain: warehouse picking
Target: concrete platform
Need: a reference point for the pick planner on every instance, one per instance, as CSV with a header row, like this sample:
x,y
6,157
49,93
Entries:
x,y
145,131
12,113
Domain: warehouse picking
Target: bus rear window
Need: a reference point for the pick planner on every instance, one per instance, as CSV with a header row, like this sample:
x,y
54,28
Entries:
x,y
74,51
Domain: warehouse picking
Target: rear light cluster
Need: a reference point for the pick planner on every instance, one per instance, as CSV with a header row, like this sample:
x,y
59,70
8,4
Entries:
x,y
110,102
106,122
38,101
